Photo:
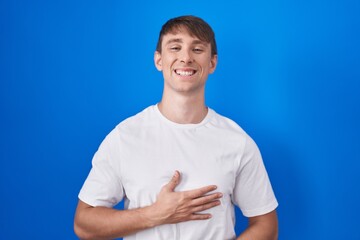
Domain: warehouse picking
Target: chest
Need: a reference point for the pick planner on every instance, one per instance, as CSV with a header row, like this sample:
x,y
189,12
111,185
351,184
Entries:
x,y
148,163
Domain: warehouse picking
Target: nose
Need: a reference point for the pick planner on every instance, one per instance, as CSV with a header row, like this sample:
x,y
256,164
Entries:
x,y
186,56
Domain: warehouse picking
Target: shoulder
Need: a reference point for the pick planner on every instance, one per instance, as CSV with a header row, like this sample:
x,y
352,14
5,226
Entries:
x,y
137,121
233,132
132,125
226,124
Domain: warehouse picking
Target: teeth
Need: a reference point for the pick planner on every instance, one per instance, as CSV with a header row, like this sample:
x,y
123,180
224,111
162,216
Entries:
x,y
184,73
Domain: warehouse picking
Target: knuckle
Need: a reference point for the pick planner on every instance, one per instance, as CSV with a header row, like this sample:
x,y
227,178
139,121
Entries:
x,y
183,195
183,198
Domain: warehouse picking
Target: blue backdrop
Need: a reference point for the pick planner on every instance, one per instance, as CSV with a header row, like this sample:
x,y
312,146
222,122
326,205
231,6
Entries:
x,y
288,73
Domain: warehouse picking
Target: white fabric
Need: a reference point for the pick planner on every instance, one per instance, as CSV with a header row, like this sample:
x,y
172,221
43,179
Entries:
x,y
141,154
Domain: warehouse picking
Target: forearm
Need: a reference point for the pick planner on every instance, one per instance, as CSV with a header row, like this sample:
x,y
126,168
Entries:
x,y
263,227
170,207
108,223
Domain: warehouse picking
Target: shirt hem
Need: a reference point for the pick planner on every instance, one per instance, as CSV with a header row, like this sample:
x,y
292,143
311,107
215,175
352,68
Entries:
x,y
261,211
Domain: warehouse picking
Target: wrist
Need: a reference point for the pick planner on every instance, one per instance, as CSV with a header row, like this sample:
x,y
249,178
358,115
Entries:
x,y
150,217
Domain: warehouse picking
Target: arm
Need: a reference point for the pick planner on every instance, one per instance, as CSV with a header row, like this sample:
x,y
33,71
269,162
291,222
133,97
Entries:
x,y
264,227
170,207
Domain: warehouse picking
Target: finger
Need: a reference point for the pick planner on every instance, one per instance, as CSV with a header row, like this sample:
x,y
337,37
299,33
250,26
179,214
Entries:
x,y
206,199
195,193
196,216
175,180
206,206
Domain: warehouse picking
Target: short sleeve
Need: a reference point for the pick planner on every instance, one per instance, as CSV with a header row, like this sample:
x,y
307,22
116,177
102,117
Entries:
x,y
103,186
253,192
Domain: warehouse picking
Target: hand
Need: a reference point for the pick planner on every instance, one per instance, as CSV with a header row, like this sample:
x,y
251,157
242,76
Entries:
x,y
175,207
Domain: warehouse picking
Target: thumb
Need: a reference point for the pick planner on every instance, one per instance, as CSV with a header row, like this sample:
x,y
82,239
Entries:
x,y
175,180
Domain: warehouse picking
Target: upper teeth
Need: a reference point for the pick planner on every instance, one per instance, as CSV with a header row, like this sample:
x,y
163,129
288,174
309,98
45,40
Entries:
x,y
184,73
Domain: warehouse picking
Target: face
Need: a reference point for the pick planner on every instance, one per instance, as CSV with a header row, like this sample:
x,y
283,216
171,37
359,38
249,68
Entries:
x,y
185,62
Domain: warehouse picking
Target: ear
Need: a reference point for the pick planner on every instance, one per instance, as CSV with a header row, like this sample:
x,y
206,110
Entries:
x,y
213,63
158,61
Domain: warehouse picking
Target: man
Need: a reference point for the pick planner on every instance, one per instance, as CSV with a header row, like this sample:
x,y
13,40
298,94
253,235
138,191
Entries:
x,y
179,165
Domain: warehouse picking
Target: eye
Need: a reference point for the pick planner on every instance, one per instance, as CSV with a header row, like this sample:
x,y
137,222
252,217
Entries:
x,y
198,50
174,48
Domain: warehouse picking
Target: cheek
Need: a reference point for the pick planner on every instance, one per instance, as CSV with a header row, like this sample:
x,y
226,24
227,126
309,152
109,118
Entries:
x,y
206,67
167,61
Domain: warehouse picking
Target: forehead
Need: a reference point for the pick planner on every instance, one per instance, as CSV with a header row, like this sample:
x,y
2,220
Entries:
x,y
181,35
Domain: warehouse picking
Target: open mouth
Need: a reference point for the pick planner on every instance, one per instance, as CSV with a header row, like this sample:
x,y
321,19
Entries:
x,y
184,72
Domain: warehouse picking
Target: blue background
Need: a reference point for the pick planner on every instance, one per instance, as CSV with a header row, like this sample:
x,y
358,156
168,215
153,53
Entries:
x,y
288,73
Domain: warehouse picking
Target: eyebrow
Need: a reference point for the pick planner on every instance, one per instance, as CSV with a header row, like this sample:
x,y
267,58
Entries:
x,y
179,40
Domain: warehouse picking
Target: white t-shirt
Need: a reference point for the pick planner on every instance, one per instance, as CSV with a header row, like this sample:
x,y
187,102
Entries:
x,y
141,154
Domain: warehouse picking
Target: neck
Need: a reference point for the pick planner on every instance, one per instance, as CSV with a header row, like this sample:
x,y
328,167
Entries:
x,y
183,109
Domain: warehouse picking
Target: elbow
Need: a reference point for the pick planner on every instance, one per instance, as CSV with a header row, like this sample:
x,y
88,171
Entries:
x,y
81,233
81,223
